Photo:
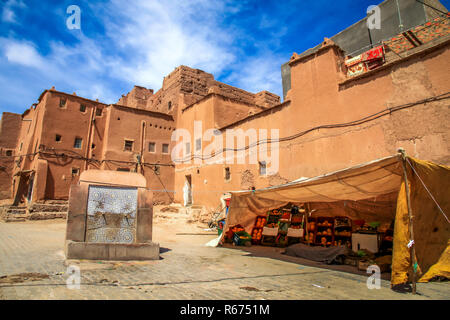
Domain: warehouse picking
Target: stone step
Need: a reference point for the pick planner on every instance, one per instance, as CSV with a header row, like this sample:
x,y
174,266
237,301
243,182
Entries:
x,y
47,215
13,219
16,211
53,202
39,207
8,217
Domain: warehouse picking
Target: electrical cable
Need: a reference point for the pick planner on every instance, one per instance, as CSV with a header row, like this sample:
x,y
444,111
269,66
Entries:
x,y
369,118
382,113
434,8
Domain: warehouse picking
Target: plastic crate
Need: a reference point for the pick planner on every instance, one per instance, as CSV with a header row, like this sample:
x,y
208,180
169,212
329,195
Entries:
x,y
241,242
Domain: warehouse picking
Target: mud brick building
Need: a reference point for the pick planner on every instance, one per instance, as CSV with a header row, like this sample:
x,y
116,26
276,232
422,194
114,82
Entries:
x,y
47,147
332,119
341,107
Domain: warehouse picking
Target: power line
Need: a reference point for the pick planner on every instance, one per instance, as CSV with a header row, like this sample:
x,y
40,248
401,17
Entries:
x,y
369,118
53,153
434,8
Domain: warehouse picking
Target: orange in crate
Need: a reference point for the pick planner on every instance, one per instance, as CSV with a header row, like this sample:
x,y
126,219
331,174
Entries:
x,y
286,215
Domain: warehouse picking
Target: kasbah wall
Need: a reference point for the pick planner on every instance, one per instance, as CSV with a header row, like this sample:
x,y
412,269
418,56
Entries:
x,y
135,134
322,94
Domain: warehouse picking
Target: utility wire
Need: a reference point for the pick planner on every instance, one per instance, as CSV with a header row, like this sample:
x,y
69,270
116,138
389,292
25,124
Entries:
x,y
434,8
53,153
382,113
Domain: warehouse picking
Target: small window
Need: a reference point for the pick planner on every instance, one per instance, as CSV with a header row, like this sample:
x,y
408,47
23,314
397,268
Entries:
x,y
151,147
227,174
78,142
98,112
262,168
123,169
169,105
9,153
62,102
198,144
128,145
21,145
82,107
157,170
75,171
165,148
93,146
188,148
58,138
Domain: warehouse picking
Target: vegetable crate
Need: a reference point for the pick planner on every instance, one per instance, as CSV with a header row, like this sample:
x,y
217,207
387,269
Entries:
x,y
241,238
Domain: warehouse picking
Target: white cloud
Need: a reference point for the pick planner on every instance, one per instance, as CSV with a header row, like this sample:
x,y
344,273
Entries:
x,y
162,35
22,53
8,14
143,43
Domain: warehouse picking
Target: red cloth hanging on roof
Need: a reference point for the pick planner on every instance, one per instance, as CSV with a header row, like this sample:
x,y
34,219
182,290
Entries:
x,y
373,54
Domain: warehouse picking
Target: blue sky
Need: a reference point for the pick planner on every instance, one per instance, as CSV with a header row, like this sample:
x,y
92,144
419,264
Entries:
x,y
123,43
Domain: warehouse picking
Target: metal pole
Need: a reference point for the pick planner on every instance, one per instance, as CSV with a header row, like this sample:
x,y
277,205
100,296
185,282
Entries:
x,y
412,249
399,17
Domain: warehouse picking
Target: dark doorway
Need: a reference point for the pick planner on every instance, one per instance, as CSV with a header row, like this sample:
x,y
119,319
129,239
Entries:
x,y
188,190
30,189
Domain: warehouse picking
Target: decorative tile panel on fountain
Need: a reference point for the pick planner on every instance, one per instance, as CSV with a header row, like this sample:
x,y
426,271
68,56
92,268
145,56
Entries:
x,y
110,218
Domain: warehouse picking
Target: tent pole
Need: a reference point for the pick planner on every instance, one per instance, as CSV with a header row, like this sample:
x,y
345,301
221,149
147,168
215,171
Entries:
x,y
307,223
412,249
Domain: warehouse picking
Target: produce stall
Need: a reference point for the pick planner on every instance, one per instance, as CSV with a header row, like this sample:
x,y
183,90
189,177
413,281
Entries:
x,y
359,208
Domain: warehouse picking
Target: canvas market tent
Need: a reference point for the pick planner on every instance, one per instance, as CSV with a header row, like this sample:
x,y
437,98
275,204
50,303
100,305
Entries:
x,y
373,191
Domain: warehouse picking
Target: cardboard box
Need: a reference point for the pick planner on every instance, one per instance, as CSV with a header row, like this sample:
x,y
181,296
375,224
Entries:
x,y
270,231
365,241
295,233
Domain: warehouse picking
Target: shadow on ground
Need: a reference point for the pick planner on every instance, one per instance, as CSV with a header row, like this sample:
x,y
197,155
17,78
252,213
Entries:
x,y
278,253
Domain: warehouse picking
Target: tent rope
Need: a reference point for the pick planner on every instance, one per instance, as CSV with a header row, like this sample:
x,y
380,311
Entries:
x,y
437,204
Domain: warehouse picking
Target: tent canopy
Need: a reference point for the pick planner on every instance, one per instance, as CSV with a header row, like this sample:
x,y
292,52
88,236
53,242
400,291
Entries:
x,y
365,181
374,191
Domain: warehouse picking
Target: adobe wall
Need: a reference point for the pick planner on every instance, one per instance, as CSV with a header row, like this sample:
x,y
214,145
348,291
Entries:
x,y
136,98
41,123
141,127
320,95
186,86
227,111
28,146
357,38
102,140
10,125
69,122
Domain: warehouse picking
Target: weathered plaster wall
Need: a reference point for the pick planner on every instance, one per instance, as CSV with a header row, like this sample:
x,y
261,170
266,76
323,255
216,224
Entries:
x,y
142,127
69,123
319,98
10,125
